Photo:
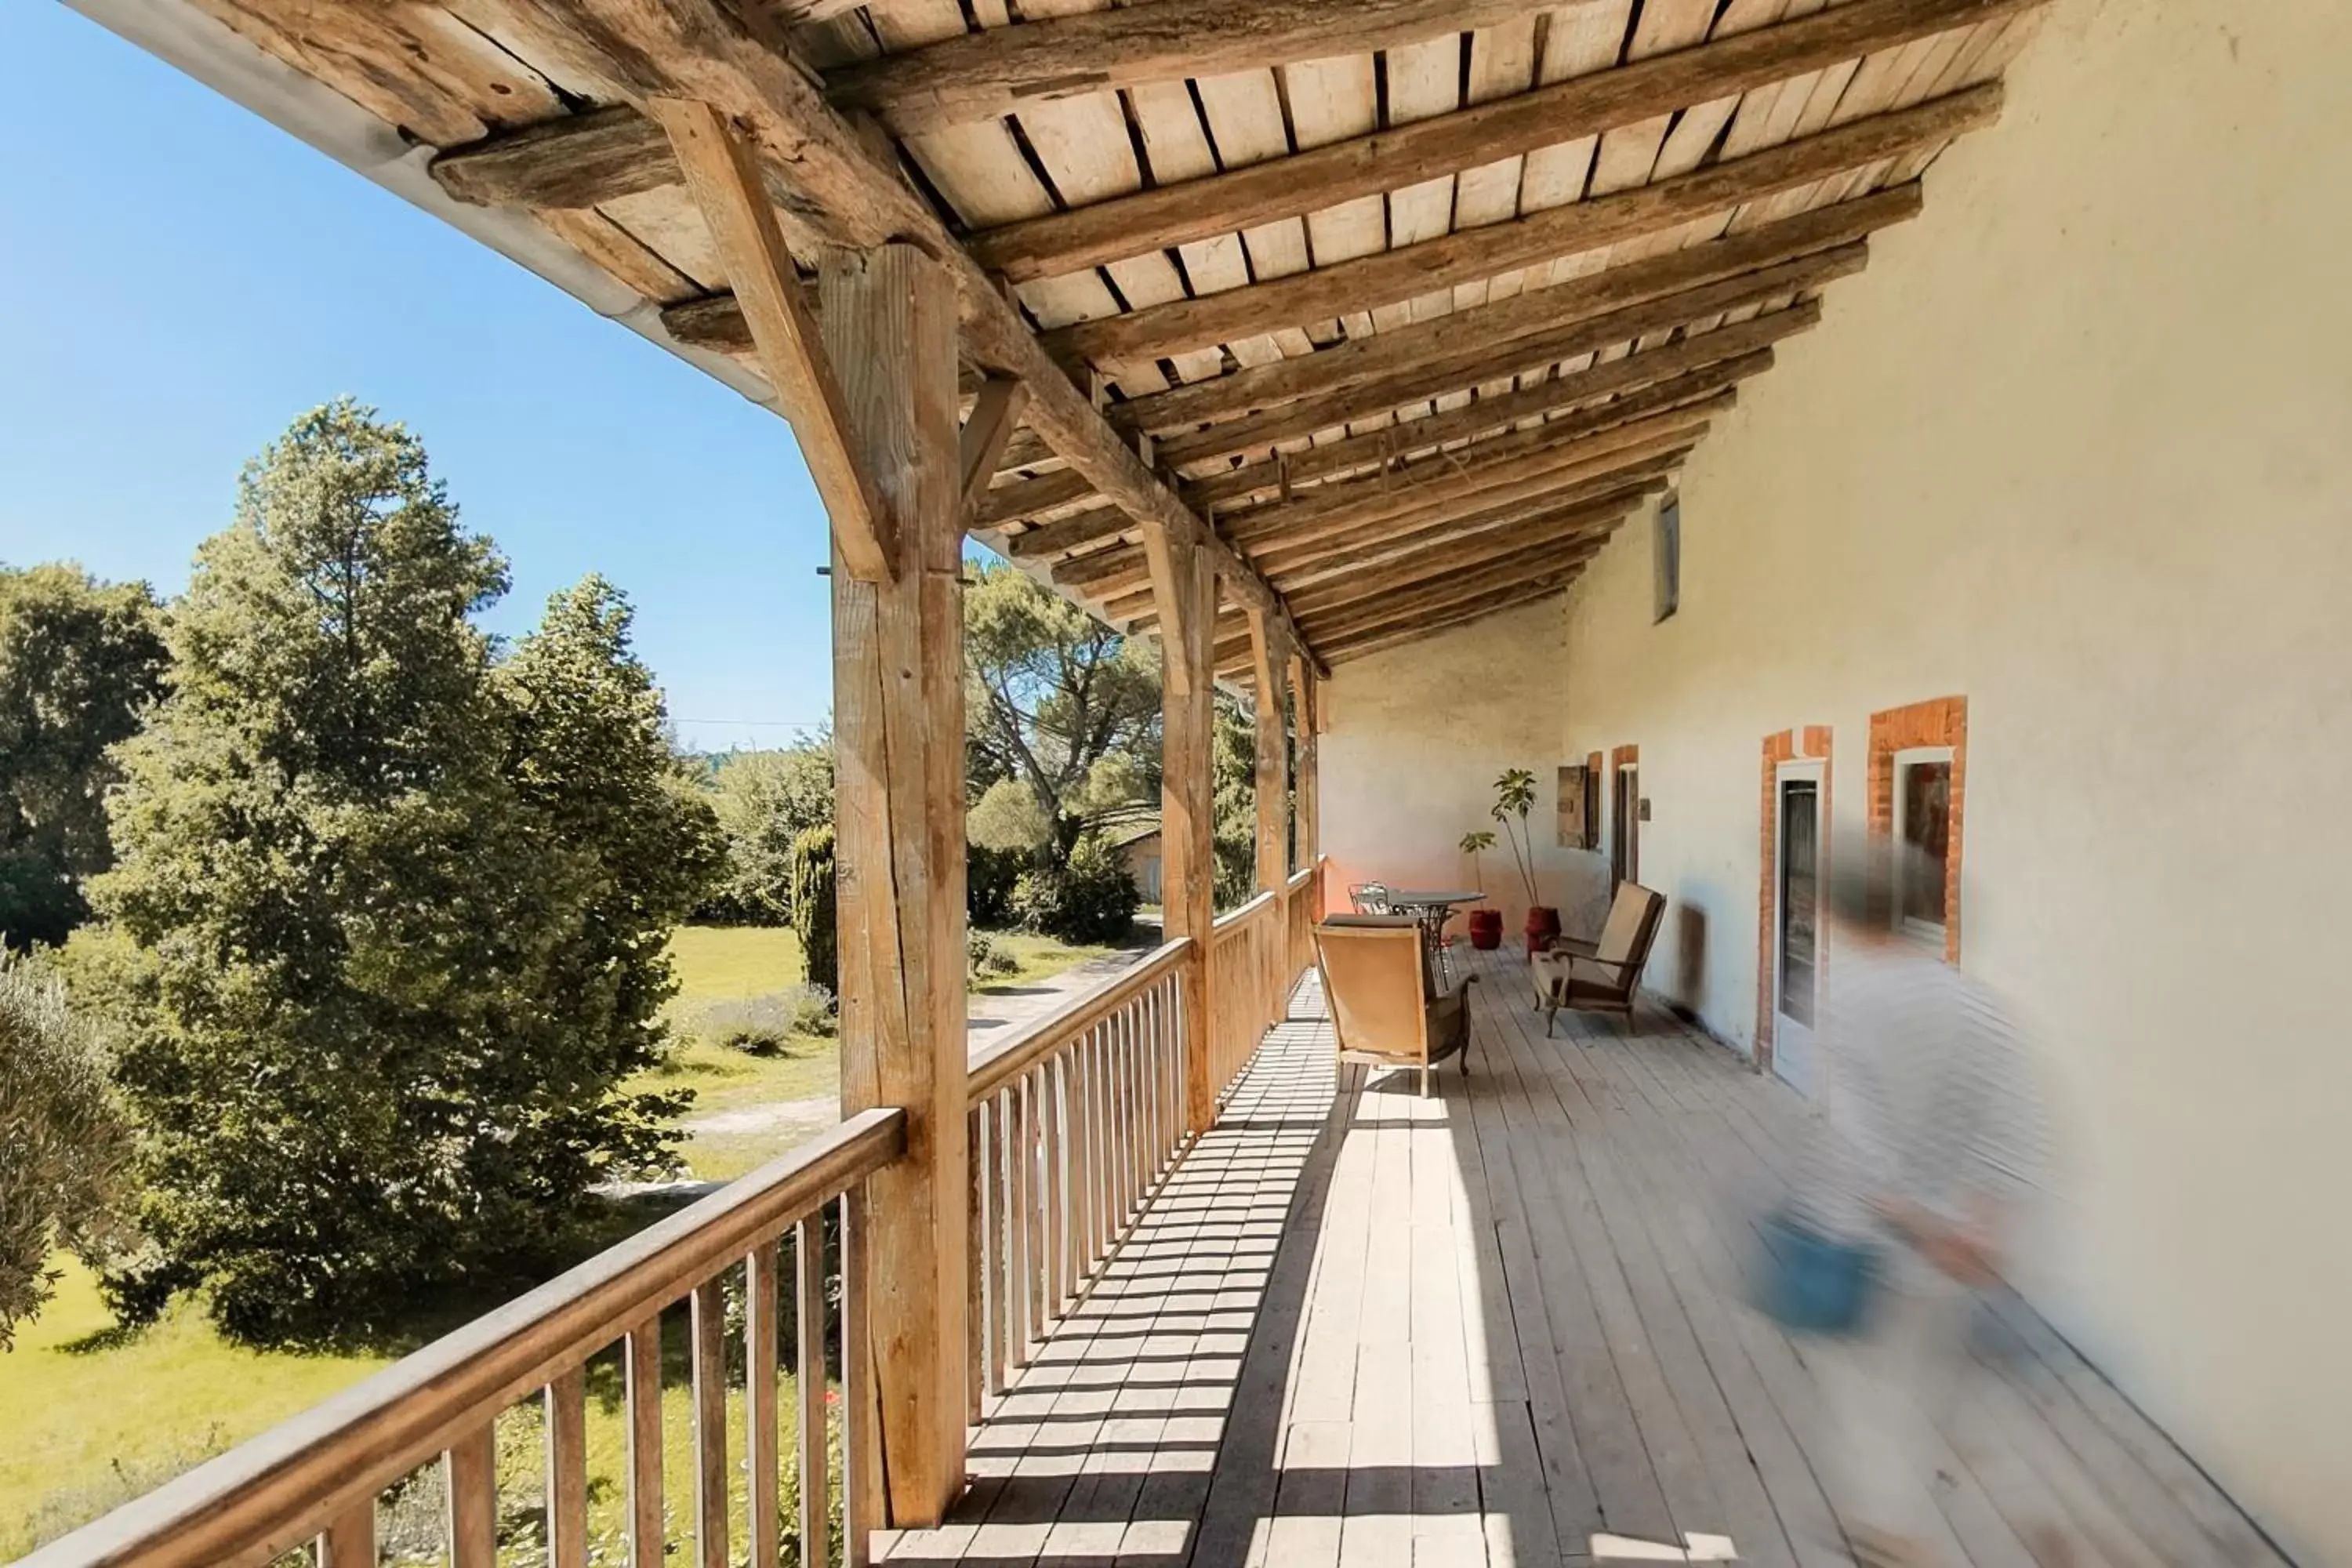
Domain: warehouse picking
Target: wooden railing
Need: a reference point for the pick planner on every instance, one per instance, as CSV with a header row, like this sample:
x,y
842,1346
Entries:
x,y
314,1481
1303,905
1074,1121
1245,958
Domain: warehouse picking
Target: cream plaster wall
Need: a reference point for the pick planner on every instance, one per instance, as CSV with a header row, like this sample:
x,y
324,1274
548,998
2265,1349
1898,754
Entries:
x,y
1417,737
2079,447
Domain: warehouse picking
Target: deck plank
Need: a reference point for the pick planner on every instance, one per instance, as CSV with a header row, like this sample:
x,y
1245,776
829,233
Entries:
x,y
1359,1327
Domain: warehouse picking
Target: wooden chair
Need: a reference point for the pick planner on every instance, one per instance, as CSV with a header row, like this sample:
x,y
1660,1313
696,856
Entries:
x,y
1601,976
1386,1008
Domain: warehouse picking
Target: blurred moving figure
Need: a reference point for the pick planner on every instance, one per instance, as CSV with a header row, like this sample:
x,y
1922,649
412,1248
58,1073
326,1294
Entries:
x,y
1934,1138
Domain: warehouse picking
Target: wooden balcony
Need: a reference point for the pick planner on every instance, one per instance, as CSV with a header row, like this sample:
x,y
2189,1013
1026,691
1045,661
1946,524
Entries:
x,y
1505,1326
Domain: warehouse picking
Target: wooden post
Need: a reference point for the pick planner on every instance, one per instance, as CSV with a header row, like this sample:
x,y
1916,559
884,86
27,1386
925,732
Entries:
x,y
888,319
1306,722
1269,662
1185,585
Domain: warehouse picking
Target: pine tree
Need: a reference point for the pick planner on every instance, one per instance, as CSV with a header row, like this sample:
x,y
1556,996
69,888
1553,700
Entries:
x,y
386,932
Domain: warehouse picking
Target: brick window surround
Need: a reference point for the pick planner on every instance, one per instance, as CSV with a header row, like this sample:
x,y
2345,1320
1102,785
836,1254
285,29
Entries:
x,y
1787,746
1940,722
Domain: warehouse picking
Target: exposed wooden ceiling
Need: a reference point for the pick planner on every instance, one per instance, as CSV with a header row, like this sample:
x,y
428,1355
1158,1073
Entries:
x,y
1405,305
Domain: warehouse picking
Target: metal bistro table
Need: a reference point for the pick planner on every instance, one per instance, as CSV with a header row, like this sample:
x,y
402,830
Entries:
x,y
1433,910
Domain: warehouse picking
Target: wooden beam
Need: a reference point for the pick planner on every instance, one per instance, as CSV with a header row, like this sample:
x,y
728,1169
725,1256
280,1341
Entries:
x,y
1480,422
898,736
580,161
1374,579
1269,663
987,75
1539,355
1397,157
1481,331
1362,646
726,183
705,49
1445,593
1188,857
1023,499
985,431
1445,481
1306,565
1049,540
1468,256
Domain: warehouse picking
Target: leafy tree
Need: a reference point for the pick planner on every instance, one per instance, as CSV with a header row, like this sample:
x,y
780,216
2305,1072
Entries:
x,y
79,663
766,800
1088,897
387,932
1234,802
63,1144
813,918
1063,716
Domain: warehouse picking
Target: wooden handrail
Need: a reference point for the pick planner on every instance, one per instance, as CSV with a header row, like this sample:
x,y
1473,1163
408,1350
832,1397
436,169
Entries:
x,y
1234,917
279,1490
1007,1060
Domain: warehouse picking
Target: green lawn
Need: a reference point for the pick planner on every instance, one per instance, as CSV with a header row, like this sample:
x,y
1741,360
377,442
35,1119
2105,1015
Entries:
x,y
91,1417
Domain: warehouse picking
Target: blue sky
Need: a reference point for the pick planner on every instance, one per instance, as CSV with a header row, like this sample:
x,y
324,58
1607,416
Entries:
x,y
179,279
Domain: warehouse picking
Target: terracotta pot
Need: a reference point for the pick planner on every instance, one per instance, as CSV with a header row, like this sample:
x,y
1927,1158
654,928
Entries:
x,y
1485,930
1542,928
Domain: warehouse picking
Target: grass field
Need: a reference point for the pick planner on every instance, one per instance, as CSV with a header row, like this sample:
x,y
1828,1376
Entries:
x,y
91,1416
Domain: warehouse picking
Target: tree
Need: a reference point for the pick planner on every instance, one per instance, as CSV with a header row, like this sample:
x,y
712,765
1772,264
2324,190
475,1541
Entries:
x,y
63,1143
79,663
766,800
1234,802
1064,720
814,919
387,932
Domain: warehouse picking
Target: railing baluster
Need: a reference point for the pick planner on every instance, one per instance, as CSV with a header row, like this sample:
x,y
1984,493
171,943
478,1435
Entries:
x,y
1029,1212
975,1315
1078,1091
642,1374
350,1540
708,1320
861,1447
1002,1273
817,1463
763,1329
567,1470
1057,1184
472,1475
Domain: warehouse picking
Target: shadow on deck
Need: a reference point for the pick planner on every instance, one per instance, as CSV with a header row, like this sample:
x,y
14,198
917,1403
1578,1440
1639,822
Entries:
x,y
1494,1326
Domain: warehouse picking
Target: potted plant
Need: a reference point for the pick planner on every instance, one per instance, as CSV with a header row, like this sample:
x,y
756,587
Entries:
x,y
1486,924
1515,796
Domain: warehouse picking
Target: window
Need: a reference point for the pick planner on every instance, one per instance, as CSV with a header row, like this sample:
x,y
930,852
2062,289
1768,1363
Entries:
x,y
1923,824
1666,558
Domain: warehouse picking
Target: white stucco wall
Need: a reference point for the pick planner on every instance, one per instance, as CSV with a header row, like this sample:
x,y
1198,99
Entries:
x,y
1418,735
2079,447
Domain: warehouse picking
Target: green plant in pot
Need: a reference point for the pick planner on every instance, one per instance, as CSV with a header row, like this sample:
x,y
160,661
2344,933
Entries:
x,y
1486,924
1515,796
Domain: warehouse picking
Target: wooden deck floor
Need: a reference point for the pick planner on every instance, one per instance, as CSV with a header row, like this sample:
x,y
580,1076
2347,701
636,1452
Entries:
x,y
1487,1328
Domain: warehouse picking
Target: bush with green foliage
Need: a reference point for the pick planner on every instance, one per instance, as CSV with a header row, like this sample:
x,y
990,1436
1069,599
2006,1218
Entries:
x,y
386,932
80,662
1088,898
764,801
988,878
814,917
64,1146
767,1025
987,959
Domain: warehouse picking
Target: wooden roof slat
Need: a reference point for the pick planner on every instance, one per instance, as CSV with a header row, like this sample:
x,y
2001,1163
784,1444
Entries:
x,y
1000,71
1488,132
1492,548
1047,541
1400,274
1362,647
1532,580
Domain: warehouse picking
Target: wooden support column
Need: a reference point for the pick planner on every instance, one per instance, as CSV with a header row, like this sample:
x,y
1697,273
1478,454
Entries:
x,y
1269,669
888,321
1307,722
1184,587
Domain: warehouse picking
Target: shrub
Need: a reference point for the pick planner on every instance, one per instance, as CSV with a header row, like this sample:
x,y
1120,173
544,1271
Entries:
x,y
988,878
987,959
1087,898
767,1025
63,1144
814,920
